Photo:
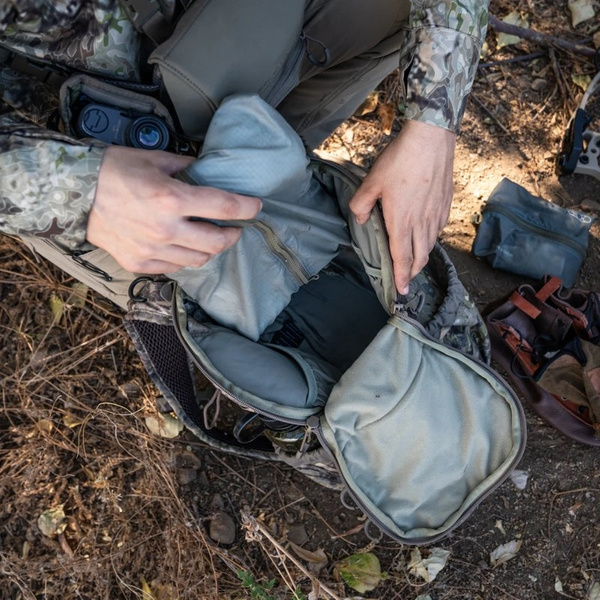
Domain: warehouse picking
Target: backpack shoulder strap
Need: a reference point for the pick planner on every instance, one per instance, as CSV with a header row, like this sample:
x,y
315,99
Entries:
x,y
154,18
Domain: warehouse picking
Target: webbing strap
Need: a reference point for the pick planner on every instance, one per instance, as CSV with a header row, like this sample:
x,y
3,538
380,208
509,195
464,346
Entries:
x,y
553,284
529,309
150,18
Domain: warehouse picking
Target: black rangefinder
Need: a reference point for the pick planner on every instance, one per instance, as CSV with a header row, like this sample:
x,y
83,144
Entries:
x,y
114,126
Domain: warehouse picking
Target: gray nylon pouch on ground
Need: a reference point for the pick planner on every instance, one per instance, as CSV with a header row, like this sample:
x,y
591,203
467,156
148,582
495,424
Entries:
x,y
250,149
527,235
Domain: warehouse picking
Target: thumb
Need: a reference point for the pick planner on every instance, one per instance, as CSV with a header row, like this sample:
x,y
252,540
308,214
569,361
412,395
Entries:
x,y
363,202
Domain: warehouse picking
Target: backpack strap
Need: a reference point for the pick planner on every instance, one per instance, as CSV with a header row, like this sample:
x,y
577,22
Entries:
x,y
153,18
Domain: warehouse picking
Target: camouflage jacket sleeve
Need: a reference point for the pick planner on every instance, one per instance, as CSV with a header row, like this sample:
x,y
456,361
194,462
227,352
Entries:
x,y
48,182
439,57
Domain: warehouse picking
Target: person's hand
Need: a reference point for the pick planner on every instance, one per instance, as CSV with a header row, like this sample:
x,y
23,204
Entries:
x,y
140,214
413,180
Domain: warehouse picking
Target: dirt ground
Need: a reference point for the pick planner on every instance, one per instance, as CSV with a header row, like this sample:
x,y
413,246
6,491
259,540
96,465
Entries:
x,y
137,508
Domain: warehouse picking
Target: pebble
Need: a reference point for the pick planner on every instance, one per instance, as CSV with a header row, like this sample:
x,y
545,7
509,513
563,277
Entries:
x,y
221,528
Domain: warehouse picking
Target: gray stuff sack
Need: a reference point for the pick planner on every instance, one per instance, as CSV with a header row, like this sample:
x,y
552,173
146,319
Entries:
x,y
394,394
526,235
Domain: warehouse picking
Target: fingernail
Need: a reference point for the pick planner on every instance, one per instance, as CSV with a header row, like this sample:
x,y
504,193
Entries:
x,y
405,290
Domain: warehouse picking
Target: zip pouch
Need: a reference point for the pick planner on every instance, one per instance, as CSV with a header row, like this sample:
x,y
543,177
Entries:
x,y
526,235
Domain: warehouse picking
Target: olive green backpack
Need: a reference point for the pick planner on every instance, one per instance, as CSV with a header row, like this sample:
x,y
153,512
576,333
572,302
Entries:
x,y
315,358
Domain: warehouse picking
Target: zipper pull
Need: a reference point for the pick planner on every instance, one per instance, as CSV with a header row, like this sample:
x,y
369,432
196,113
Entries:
x,y
313,423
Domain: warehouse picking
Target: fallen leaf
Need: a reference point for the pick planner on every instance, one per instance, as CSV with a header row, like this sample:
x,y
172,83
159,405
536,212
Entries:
x,y
78,295
421,597
596,39
146,591
52,522
70,421
316,560
519,479
318,556
558,586
386,113
581,10
56,307
500,527
582,81
428,568
594,593
514,18
369,105
45,426
165,426
505,552
361,572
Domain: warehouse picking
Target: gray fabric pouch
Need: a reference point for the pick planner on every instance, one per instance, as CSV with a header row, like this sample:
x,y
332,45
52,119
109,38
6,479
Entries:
x,y
526,235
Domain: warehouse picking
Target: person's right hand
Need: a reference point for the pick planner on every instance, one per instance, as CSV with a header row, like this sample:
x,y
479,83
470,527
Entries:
x,y
140,214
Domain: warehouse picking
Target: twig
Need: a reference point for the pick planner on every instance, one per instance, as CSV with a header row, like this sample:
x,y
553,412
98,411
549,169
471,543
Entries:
x,y
564,92
256,527
489,112
514,59
557,494
539,38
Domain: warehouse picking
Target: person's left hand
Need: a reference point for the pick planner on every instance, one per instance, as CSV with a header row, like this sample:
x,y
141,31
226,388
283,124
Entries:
x,y
413,179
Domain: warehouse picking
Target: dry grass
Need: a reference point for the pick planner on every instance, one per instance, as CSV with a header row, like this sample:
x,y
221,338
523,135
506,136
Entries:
x,y
73,436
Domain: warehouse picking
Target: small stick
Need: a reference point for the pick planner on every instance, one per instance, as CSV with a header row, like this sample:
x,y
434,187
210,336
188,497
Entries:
x,y
514,59
489,112
539,38
257,527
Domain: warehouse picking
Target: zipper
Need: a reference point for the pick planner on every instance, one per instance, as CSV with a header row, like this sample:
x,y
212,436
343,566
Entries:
x,y
245,405
275,245
554,236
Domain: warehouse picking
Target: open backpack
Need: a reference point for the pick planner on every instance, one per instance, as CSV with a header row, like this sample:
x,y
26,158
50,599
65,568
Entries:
x,y
315,358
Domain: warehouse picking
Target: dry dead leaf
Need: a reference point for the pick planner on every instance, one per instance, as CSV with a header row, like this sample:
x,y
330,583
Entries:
x,y
581,10
146,591
505,552
317,560
45,426
429,568
594,593
582,81
558,586
514,18
71,421
78,295
519,479
369,105
165,426
386,113
52,521
56,307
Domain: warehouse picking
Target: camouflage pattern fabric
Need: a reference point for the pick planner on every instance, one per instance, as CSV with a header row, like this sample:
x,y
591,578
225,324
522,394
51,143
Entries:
x,y
440,302
575,377
48,183
439,56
